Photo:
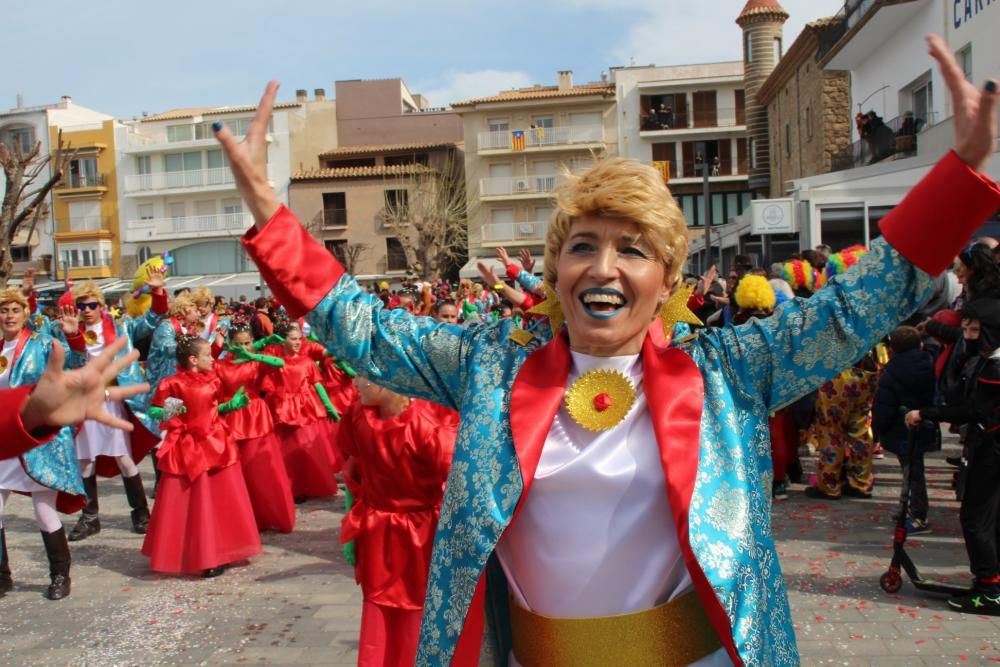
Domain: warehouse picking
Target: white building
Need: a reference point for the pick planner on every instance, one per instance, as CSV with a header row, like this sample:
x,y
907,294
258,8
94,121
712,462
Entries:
x,y
24,126
884,50
179,195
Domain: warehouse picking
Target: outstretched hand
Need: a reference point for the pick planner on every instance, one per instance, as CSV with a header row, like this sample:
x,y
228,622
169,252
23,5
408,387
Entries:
x,y
248,159
69,320
527,261
488,273
975,111
64,397
502,256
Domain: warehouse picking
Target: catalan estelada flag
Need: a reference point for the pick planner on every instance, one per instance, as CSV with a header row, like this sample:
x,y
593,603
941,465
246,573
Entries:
x,y
517,140
663,166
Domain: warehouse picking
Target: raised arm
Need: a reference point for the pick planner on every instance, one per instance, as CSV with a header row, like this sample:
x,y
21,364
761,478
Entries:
x,y
143,326
411,355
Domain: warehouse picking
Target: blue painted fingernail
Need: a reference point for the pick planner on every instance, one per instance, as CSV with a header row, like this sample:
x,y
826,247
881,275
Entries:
x,y
991,86
217,126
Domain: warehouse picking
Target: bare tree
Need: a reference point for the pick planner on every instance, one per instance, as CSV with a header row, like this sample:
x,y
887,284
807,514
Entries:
x,y
24,199
353,252
431,220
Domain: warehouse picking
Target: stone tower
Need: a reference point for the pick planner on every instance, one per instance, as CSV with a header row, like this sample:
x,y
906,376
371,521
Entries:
x,y
761,21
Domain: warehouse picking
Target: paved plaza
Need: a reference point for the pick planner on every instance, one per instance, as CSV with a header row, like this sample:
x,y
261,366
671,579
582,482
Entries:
x,y
298,604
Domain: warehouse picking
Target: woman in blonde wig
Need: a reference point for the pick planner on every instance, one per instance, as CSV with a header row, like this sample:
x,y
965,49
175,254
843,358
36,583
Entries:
x,y
608,500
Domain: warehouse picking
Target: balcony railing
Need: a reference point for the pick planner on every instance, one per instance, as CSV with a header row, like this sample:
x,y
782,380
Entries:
x,y
541,137
83,181
530,230
335,217
223,224
897,137
90,223
502,186
178,180
721,117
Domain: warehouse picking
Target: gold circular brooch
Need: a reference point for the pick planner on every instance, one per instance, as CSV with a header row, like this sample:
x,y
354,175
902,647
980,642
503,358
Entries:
x,y
4,363
90,337
600,399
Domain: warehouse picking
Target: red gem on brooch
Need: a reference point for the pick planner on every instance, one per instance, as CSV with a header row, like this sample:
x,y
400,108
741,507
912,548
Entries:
x,y
602,402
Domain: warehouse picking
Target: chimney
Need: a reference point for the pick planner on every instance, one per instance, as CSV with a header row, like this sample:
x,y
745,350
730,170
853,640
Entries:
x,y
319,94
301,95
565,79
66,99
20,101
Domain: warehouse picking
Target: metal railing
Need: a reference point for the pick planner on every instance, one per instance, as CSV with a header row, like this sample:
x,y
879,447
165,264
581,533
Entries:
x,y
540,137
334,217
897,137
175,180
529,230
83,181
499,186
220,224
684,119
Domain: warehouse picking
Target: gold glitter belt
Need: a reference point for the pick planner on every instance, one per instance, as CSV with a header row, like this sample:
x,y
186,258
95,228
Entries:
x,y
675,633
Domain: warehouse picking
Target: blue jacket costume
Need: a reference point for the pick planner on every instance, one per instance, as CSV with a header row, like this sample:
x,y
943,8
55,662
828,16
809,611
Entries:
x,y
709,397
53,464
147,430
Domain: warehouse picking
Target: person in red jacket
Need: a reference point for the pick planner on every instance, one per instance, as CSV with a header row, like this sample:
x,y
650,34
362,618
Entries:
x,y
202,519
301,410
398,455
253,428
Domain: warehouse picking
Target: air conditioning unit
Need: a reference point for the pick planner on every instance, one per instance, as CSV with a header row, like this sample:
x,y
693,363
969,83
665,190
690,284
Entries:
x,y
522,185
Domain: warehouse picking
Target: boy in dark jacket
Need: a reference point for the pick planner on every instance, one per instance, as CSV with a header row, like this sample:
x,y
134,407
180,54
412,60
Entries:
x,y
907,381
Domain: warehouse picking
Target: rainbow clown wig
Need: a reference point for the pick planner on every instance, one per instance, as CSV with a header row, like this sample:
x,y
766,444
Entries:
x,y
799,274
843,260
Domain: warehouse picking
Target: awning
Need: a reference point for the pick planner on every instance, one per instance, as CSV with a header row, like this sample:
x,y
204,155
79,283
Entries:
x,y
227,284
471,271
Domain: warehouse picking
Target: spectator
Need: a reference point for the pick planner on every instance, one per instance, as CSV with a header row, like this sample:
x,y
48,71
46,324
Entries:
x,y
260,323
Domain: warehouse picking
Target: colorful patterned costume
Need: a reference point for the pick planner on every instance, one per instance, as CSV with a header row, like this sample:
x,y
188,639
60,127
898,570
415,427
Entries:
x,y
843,433
709,397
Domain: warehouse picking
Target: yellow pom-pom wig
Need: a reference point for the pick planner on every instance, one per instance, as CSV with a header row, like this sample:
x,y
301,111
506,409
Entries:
x,y
754,293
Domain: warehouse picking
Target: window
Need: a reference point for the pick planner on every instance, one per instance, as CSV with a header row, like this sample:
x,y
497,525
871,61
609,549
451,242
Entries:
x,y
145,212
142,164
920,102
20,137
418,158
809,123
180,133
395,255
83,173
752,145
396,203
788,140
498,124
335,209
337,248
542,121
776,45
144,254
20,253
964,57
190,161
747,48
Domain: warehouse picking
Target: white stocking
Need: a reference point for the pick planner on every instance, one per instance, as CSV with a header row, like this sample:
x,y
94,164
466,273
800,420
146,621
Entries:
x,y
45,510
86,467
3,504
127,466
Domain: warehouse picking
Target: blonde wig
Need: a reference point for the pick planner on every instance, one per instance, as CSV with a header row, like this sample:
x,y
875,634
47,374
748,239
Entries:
x,y
88,290
181,304
626,190
11,295
202,296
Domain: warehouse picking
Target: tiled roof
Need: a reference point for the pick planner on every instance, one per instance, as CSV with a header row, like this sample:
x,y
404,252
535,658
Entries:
x,y
762,7
385,148
314,174
540,93
191,112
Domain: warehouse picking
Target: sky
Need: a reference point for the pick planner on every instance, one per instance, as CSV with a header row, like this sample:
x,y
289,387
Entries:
x,y
129,57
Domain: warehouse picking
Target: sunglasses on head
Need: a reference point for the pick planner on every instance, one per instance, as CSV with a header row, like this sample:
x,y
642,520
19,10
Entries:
x,y
88,306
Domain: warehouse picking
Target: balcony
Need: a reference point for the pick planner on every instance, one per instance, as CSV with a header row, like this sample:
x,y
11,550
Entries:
x,y
542,138
529,231
895,139
162,182
188,227
504,187
179,137
90,223
329,218
728,119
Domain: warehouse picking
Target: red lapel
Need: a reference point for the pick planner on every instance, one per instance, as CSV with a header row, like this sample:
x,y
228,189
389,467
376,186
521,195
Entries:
x,y
675,394
108,329
22,340
534,400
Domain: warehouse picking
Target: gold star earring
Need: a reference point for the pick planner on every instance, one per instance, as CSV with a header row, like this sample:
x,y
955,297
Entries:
x,y
676,310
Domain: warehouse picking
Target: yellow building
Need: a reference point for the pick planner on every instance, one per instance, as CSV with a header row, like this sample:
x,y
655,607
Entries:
x,y
85,203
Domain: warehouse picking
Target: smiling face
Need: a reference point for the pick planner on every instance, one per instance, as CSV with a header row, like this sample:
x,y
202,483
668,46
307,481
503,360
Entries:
x,y
90,310
13,317
293,340
610,284
242,338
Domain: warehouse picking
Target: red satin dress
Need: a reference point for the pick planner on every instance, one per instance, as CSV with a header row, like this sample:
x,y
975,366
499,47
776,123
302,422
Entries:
x,y
260,451
302,427
402,464
202,517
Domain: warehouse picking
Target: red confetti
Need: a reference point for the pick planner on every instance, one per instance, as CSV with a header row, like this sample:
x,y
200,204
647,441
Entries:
x,y
820,619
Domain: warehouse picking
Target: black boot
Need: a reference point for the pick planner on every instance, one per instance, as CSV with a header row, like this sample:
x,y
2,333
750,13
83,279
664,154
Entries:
x,y
89,522
6,583
156,471
137,501
57,549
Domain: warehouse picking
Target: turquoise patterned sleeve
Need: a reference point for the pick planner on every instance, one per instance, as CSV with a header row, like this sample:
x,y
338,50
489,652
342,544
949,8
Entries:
x,y
415,356
140,327
528,281
806,342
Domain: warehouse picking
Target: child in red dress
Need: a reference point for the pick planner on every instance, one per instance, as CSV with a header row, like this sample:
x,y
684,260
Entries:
x,y
253,428
202,519
398,455
302,413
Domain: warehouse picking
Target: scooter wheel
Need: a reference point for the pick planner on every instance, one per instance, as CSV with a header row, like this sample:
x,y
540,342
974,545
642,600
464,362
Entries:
x,y
891,582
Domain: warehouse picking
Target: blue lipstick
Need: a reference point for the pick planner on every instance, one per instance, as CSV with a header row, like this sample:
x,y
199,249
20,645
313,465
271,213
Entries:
x,y
602,315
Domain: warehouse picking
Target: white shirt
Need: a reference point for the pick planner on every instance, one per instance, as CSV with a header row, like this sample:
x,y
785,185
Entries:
x,y
8,352
95,349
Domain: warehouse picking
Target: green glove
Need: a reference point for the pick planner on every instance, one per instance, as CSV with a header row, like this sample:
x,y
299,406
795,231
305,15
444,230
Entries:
x,y
243,355
350,549
237,402
346,368
273,339
331,411
156,413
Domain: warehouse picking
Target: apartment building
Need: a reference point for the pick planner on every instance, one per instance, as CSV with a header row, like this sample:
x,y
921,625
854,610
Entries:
x,y
516,145
23,127
179,195
85,203
687,120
